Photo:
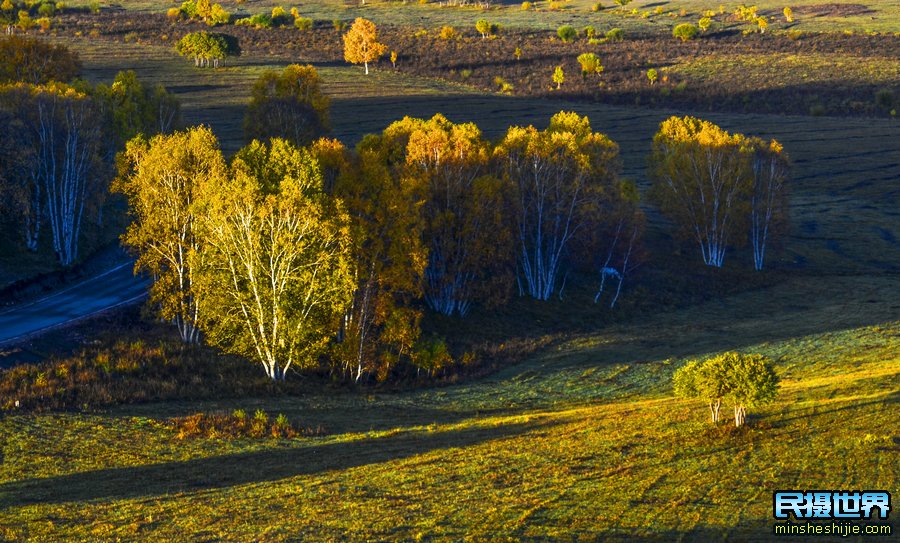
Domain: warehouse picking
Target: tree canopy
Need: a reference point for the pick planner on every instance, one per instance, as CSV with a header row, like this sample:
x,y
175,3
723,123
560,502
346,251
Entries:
x,y
361,44
289,105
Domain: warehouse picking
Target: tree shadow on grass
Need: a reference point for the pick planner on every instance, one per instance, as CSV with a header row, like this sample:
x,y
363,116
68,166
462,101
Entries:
x,y
251,467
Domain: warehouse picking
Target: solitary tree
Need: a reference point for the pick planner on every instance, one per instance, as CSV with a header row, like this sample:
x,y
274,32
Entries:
x,y
559,77
204,47
289,105
747,380
652,75
484,27
788,14
361,44
167,181
699,181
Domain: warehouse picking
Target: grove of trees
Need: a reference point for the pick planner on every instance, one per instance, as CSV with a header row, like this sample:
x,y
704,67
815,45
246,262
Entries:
x,y
205,47
60,139
719,188
291,255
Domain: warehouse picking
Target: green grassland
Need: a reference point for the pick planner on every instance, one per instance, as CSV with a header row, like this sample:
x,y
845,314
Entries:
x,y
582,442
869,15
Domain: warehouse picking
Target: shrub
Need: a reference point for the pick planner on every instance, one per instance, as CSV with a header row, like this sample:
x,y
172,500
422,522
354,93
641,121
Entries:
x,y
447,33
279,15
615,34
788,14
597,7
590,63
46,9
260,20
526,6
173,13
652,75
685,32
589,32
303,23
567,33
218,425
44,23
884,98
339,25
704,23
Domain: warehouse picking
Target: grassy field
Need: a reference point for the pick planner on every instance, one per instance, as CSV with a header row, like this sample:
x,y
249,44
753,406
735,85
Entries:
x,y
865,16
582,442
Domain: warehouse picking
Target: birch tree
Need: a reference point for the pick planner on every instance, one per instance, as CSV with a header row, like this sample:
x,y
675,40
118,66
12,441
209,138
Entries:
x,y
747,380
769,170
361,45
279,273
60,125
464,206
166,181
560,176
699,182
381,325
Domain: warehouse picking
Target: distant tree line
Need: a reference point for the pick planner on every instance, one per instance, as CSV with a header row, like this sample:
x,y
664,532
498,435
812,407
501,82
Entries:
x,y
60,139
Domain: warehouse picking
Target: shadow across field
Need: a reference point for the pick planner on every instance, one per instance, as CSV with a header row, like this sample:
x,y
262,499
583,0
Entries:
x,y
244,468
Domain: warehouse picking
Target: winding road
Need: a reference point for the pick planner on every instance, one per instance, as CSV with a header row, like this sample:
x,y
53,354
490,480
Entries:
x,y
112,288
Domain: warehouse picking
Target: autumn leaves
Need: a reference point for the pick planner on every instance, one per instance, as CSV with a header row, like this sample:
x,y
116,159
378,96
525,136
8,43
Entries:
x,y
292,256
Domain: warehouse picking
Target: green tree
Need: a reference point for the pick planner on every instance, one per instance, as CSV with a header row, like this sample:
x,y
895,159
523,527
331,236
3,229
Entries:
x,y
166,180
747,380
279,271
289,105
652,75
485,27
203,47
361,45
134,107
